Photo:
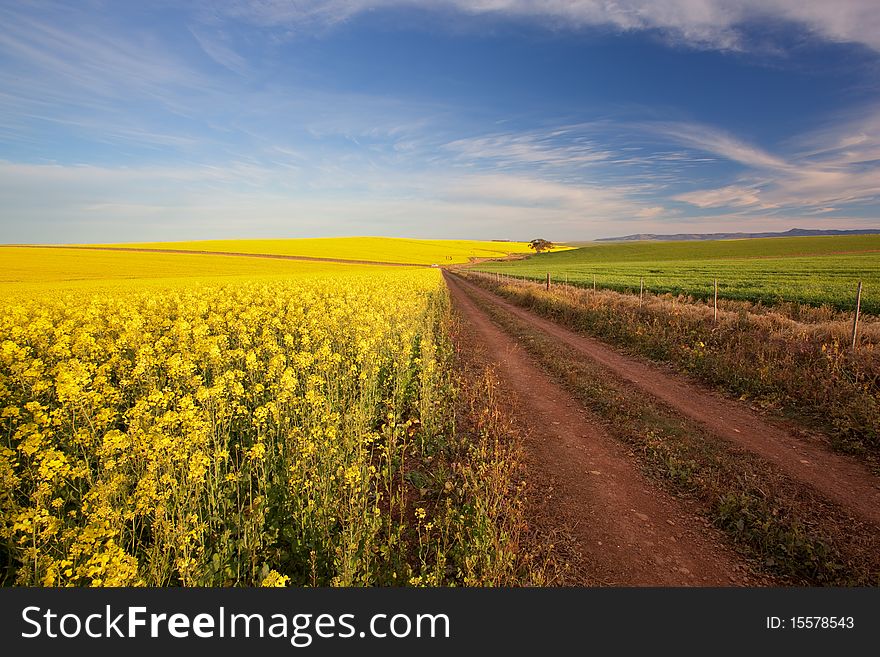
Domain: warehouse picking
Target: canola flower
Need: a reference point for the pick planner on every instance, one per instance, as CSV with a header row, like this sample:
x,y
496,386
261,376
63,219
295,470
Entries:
x,y
376,249
239,433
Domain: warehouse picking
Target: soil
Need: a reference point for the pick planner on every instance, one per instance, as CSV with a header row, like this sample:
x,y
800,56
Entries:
x,y
627,531
840,478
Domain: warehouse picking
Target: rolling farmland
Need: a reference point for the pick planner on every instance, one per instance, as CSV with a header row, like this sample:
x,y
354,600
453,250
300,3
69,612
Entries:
x,y
225,418
27,268
809,270
372,249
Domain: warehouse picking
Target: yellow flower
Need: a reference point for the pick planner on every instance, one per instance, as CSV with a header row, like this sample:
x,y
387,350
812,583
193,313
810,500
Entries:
x,y
275,579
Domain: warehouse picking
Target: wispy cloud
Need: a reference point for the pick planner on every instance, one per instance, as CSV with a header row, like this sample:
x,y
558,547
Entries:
x,y
852,138
559,147
87,57
216,47
586,200
483,205
732,196
717,142
711,24
830,166
129,129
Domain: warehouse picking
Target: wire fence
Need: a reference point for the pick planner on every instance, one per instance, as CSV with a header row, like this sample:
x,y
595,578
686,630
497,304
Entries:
x,y
596,285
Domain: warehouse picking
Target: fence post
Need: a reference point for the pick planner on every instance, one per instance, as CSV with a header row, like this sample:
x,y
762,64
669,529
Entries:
x,y
594,282
641,290
855,331
715,312
548,280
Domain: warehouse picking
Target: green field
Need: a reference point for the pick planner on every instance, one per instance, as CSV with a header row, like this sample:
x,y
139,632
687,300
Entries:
x,y
810,270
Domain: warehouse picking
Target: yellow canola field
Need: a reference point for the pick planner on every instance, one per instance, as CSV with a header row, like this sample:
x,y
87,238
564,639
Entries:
x,y
374,249
28,268
220,430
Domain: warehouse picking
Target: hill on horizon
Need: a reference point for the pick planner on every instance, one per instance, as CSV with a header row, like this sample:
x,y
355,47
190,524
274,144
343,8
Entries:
x,y
680,237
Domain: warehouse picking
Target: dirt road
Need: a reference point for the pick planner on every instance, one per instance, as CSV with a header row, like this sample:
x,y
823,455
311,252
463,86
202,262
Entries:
x,y
628,532
839,478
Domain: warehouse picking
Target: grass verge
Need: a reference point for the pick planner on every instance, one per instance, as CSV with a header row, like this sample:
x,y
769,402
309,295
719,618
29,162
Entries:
x,y
466,493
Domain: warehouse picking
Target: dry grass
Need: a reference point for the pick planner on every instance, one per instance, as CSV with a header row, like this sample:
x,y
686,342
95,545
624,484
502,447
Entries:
x,y
802,366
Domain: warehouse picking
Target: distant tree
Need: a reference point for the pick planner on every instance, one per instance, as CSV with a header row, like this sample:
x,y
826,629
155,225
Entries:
x,y
541,245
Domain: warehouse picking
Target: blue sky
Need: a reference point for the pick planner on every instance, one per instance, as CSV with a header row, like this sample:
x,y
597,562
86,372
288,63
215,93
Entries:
x,y
439,118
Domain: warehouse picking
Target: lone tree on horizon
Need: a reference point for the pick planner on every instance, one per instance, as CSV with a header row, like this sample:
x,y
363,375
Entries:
x,y
541,245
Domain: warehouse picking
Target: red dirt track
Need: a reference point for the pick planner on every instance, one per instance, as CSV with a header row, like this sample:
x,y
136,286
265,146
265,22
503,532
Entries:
x,y
838,478
628,532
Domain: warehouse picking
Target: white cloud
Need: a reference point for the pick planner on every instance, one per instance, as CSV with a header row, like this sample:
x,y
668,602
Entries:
x,y
717,142
215,46
653,212
853,138
732,196
90,58
13,175
715,24
556,148
526,190
830,166
822,187
132,204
